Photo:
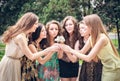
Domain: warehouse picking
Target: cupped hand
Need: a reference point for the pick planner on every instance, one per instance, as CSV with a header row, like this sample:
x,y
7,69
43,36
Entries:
x,y
65,48
56,47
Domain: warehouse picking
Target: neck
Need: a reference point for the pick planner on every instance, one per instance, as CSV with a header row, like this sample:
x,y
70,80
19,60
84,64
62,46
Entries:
x,y
38,40
51,41
86,38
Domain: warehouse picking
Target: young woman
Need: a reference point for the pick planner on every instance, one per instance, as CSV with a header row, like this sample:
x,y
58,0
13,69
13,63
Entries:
x,y
36,43
101,47
69,64
49,71
16,47
90,71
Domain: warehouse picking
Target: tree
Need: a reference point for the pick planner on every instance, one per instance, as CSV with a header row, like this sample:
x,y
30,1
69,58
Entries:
x,y
9,10
109,11
57,10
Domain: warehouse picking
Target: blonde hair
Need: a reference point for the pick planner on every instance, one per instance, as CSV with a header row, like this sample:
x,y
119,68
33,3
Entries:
x,y
97,27
23,24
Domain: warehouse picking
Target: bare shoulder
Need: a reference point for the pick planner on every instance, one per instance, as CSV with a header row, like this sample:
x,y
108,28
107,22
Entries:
x,y
103,39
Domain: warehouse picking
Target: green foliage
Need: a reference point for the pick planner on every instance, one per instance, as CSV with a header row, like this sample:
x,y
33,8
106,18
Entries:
x,y
56,10
109,10
2,50
9,10
51,9
115,42
59,9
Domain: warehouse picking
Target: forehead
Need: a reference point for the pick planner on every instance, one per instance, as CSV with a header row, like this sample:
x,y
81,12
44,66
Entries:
x,y
82,25
43,27
53,25
69,21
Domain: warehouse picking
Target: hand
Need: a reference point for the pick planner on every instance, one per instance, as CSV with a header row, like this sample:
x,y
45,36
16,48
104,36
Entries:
x,y
65,48
55,47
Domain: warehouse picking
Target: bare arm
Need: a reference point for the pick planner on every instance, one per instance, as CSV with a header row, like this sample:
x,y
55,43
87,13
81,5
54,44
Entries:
x,y
25,50
71,56
102,41
40,59
45,58
60,54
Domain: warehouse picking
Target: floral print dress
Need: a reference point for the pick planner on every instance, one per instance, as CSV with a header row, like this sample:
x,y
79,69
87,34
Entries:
x,y
50,70
28,68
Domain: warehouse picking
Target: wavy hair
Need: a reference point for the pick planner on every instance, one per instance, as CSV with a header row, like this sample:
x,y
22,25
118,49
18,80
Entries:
x,y
35,35
47,28
23,24
76,34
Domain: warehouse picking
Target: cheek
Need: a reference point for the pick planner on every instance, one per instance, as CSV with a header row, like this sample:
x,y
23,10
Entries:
x,y
42,36
50,33
35,26
57,31
82,31
33,29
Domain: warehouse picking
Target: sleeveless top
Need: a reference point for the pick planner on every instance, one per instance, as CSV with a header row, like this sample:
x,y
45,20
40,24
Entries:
x,y
109,60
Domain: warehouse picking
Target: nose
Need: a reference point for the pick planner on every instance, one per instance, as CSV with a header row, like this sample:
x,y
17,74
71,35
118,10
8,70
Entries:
x,y
45,32
54,30
68,25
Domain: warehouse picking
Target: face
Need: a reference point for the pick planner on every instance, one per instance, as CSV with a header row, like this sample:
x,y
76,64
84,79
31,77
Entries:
x,y
34,27
53,30
43,33
84,30
69,26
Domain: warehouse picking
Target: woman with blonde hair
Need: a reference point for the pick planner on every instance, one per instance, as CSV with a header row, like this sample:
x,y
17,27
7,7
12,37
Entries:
x,y
90,71
16,42
101,48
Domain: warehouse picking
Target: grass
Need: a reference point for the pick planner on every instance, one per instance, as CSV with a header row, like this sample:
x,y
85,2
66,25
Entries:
x,y
115,42
2,50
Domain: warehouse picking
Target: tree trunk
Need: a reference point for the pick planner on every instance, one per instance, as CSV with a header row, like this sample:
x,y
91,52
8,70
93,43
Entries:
x,y
118,33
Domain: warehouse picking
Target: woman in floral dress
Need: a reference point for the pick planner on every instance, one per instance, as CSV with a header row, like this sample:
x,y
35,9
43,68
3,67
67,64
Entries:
x,y
36,43
50,70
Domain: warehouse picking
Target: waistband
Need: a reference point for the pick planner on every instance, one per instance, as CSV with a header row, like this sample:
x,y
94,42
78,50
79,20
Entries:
x,y
13,58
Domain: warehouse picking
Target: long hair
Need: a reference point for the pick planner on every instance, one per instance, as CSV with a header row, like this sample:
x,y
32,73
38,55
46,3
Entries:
x,y
80,38
47,29
75,32
35,35
97,27
23,24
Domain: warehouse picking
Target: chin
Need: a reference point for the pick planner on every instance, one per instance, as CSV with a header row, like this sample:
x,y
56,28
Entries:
x,y
33,30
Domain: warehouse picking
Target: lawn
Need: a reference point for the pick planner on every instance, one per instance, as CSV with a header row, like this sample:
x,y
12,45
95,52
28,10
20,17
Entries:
x,y
2,50
115,42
